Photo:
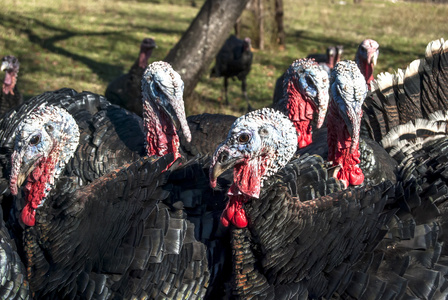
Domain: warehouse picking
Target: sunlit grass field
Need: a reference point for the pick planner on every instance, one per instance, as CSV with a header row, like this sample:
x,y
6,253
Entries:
x,y
85,44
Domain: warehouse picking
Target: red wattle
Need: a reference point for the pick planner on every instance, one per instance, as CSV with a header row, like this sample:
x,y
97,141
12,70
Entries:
x,y
300,112
28,215
356,177
234,212
339,145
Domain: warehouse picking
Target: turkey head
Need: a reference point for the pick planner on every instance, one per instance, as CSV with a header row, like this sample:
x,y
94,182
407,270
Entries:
x,y
45,141
10,65
146,47
366,57
258,145
163,109
305,91
348,91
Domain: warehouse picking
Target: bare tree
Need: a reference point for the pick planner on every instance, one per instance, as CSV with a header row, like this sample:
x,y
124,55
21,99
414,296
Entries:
x,y
201,42
279,20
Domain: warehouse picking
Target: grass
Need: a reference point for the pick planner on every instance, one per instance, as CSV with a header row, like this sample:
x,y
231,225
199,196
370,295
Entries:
x,y
84,45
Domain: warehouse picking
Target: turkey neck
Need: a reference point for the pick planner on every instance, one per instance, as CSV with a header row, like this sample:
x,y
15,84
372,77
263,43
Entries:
x,y
161,135
343,150
366,70
300,112
10,82
246,184
143,58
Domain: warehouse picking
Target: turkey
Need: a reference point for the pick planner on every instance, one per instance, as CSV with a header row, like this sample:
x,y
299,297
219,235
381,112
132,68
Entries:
x,y
356,159
296,235
234,60
125,90
305,91
327,60
366,58
165,127
94,218
10,96
415,92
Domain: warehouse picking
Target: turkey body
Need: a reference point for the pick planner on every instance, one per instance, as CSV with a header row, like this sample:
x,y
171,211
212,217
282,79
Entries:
x,y
415,92
108,227
125,90
371,242
234,60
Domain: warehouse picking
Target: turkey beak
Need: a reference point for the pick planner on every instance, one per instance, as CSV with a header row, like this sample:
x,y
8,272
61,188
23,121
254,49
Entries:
x,y
222,161
4,66
20,170
322,106
176,111
352,120
372,58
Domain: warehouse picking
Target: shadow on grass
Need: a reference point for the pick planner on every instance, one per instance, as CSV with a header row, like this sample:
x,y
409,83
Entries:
x,y
32,26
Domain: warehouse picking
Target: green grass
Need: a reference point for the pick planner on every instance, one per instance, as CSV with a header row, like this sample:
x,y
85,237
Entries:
x,y
61,43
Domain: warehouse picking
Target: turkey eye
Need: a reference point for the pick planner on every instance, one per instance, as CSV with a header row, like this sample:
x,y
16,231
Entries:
x,y
34,140
243,138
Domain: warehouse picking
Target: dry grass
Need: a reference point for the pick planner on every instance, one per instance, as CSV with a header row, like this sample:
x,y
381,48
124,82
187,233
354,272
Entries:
x,y
84,45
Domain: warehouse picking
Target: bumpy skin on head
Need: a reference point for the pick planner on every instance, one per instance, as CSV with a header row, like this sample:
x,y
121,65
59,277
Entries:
x,y
366,58
305,91
10,65
258,145
45,141
163,109
348,91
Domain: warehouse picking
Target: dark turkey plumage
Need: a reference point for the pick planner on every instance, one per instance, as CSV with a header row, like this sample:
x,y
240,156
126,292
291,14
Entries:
x,y
10,95
108,227
14,284
234,60
415,92
125,90
207,132
305,238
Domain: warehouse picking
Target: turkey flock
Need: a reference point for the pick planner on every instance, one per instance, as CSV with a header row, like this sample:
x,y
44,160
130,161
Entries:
x,y
337,191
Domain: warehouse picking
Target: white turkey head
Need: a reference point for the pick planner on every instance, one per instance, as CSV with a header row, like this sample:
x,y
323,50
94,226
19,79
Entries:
x,y
311,81
348,91
10,65
45,141
366,58
163,109
258,145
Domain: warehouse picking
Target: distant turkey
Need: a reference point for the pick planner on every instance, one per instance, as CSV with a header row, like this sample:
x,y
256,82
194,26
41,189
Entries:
x,y
125,90
295,235
234,60
327,60
366,58
10,95
304,92
99,220
415,92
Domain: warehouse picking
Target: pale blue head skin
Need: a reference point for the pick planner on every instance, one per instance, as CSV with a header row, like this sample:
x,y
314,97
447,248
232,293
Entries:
x,y
349,90
37,135
163,88
264,134
311,81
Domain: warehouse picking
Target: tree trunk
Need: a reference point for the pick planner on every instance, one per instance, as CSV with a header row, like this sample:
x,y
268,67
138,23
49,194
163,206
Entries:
x,y
201,42
279,20
260,17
